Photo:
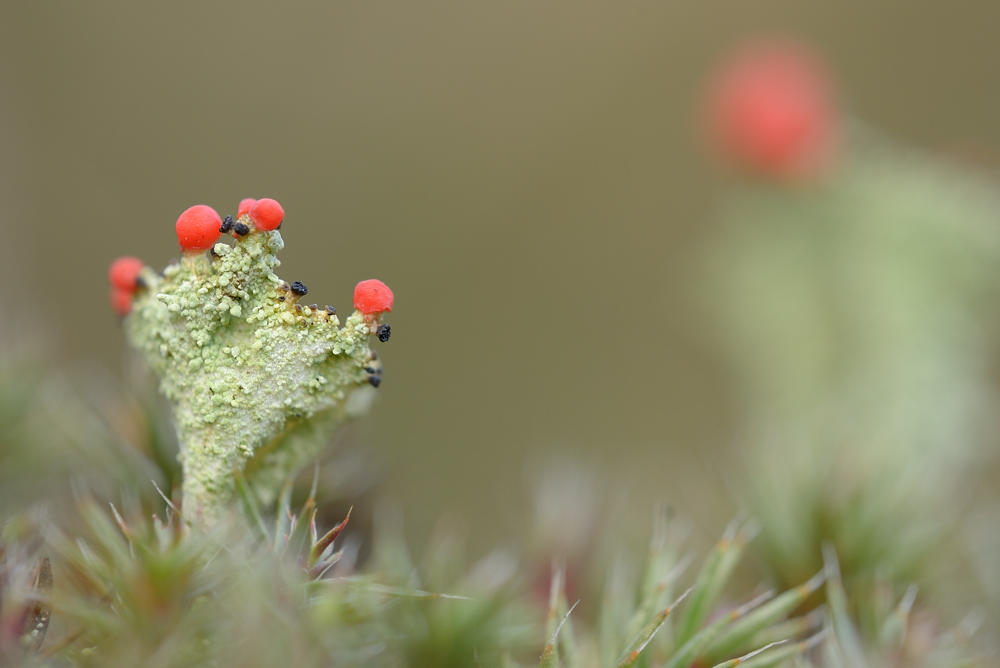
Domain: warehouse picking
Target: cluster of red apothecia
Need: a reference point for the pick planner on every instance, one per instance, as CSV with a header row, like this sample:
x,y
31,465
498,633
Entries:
x,y
199,228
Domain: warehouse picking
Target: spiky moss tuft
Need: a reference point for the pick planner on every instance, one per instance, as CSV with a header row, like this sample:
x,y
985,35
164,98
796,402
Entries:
x,y
257,381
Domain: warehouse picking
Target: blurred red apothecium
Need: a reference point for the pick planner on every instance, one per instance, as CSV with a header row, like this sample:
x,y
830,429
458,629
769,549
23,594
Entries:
x,y
124,273
771,109
245,206
121,301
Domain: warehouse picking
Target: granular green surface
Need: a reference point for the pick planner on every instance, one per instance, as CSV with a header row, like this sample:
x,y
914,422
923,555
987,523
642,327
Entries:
x,y
257,379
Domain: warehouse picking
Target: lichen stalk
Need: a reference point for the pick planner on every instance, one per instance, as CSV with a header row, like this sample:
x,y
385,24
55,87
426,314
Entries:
x,y
257,380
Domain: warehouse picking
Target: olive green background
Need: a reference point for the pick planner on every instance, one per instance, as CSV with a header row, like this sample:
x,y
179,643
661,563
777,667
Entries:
x,y
526,176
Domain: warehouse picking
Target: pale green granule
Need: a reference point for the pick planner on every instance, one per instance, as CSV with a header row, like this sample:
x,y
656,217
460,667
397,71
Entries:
x,y
257,380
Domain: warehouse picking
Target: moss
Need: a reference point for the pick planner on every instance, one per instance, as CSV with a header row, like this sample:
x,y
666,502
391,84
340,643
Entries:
x,y
246,367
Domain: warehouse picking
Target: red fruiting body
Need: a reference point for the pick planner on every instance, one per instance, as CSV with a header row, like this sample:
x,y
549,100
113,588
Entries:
x,y
771,108
267,214
198,228
245,206
124,273
121,300
372,296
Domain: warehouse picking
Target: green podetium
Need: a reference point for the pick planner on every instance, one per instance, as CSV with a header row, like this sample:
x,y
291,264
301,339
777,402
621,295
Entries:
x,y
257,381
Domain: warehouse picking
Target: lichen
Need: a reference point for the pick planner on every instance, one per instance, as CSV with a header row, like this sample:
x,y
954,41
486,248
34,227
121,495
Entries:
x,y
256,379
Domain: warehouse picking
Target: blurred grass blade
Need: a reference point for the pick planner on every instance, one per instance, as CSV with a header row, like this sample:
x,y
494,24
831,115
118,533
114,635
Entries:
x,y
301,528
844,631
797,627
892,635
694,647
732,663
713,577
319,547
251,509
779,656
615,607
319,570
651,597
170,504
738,637
298,541
631,655
550,655
283,516
567,638
404,592
120,521
661,570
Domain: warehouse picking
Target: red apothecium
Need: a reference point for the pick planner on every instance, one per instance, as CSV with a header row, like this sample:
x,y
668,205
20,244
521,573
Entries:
x,y
372,297
771,109
198,228
267,214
